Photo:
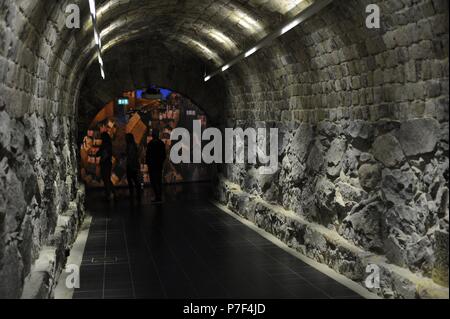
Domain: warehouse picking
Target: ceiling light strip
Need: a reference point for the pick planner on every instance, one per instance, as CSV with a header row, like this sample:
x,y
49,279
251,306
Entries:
x,y
314,8
97,38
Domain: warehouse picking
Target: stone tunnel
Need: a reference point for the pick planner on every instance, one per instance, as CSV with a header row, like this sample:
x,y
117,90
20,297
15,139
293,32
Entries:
x,y
362,116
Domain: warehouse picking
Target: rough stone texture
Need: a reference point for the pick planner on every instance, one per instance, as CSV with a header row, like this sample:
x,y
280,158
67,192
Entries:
x,y
45,272
331,86
392,210
326,245
419,136
38,163
369,176
38,178
388,151
364,121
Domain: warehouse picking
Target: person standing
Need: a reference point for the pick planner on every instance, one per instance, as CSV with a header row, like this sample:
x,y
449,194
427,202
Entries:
x,y
133,167
106,165
156,155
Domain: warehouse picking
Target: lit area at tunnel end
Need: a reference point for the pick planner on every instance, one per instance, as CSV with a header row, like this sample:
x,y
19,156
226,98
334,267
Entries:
x,y
225,159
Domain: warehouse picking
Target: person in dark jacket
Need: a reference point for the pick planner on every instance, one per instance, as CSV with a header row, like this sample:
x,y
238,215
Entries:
x,y
156,155
106,165
133,166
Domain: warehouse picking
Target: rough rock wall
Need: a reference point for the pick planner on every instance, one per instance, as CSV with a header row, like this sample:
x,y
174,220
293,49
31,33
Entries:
x,y
40,198
383,186
39,191
363,120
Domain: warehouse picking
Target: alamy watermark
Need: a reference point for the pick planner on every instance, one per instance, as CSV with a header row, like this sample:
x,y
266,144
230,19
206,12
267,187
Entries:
x,y
374,17
374,279
73,16
252,146
73,276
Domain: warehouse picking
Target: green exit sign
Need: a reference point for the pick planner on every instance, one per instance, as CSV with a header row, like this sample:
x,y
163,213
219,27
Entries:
x,y
123,102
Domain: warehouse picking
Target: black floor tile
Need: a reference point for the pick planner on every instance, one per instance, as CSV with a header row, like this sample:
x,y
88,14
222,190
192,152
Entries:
x,y
92,294
188,248
335,290
119,294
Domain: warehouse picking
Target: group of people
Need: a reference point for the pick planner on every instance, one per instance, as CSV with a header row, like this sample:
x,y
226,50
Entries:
x,y
155,158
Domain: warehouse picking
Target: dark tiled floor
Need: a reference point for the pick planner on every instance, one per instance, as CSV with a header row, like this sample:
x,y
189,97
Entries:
x,y
188,248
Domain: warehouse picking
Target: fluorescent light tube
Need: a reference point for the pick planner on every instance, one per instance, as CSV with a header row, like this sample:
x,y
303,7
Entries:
x,y
92,8
96,37
250,52
290,26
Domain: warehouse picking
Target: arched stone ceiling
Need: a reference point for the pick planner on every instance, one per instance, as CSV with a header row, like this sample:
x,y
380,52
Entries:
x,y
220,29
140,62
209,32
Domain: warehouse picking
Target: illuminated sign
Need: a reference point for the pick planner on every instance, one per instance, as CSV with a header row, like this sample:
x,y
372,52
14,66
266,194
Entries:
x,y
123,102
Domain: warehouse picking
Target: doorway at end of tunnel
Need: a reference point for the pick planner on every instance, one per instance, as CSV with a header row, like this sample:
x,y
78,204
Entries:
x,y
140,112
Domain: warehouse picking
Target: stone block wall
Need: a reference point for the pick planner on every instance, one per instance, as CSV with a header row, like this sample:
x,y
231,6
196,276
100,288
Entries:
x,y
363,122
41,201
